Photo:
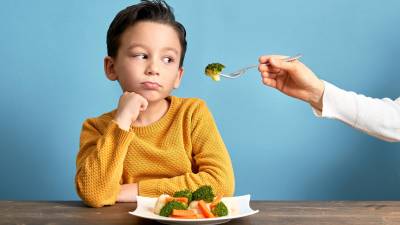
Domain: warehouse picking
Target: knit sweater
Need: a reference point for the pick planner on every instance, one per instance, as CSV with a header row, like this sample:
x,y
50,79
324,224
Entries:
x,y
182,150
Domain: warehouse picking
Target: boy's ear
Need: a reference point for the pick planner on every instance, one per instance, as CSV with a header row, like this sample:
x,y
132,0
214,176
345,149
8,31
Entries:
x,y
109,68
178,78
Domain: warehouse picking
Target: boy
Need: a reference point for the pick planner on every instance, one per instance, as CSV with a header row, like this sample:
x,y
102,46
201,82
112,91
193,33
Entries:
x,y
153,143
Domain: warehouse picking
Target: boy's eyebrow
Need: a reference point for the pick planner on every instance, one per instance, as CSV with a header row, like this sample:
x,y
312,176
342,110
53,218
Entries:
x,y
136,45
171,49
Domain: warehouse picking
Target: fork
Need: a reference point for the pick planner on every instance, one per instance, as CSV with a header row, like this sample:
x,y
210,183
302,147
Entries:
x,y
240,72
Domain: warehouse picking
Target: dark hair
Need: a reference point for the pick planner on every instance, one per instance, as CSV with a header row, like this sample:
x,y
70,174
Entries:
x,y
156,11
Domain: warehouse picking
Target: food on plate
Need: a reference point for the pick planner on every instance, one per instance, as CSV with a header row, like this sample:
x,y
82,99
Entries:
x,y
205,193
184,204
185,194
219,210
170,206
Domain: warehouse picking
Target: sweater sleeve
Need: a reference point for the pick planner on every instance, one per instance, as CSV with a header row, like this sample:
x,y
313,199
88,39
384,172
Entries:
x,y
211,158
100,162
377,117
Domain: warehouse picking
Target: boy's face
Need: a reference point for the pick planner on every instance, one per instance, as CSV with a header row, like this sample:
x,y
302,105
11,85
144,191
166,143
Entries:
x,y
147,62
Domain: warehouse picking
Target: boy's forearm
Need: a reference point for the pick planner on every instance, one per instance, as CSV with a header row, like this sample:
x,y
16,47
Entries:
x,y
100,165
221,184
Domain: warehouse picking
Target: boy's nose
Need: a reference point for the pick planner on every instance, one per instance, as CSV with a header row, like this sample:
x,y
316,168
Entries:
x,y
152,69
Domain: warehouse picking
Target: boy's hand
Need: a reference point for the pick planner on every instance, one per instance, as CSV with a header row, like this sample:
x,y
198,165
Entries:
x,y
292,78
128,193
129,107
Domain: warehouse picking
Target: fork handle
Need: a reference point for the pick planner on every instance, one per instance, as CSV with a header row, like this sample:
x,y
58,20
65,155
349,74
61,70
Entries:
x,y
289,59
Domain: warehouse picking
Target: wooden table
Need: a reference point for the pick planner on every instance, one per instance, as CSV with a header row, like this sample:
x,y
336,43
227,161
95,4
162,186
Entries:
x,y
271,213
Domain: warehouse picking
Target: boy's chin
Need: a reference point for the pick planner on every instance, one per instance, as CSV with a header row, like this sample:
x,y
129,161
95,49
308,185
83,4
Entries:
x,y
153,97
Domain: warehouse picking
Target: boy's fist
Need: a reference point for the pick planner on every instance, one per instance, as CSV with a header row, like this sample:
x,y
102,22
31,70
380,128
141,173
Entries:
x,y
129,107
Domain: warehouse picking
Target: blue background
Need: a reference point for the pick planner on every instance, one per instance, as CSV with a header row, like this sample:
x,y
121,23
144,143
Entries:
x,y
51,60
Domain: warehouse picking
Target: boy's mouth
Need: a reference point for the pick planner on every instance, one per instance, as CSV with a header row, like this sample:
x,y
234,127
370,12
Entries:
x,y
151,85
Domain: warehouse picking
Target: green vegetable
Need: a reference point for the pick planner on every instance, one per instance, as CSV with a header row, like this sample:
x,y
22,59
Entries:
x,y
184,193
220,210
213,70
167,209
204,193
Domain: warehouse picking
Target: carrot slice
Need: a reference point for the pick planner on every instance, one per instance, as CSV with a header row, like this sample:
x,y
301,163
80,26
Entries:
x,y
182,199
200,216
203,208
178,199
216,201
194,216
183,212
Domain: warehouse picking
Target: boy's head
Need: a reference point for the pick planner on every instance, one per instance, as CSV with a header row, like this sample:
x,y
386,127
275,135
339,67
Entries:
x,y
146,47
151,11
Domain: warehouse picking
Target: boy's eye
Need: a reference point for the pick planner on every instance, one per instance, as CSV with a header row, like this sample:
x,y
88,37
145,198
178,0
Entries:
x,y
168,59
140,56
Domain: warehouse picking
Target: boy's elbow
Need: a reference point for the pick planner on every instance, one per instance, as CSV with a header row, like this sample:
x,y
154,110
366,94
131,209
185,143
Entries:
x,y
93,197
94,200
94,203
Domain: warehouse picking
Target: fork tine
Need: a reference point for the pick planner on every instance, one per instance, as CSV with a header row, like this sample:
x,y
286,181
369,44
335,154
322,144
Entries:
x,y
237,73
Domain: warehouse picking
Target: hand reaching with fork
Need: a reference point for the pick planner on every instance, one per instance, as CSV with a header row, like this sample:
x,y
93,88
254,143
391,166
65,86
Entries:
x,y
292,78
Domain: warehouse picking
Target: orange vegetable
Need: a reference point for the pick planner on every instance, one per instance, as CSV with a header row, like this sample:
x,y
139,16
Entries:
x,y
182,199
178,199
185,214
216,201
182,212
194,216
203,208
200,216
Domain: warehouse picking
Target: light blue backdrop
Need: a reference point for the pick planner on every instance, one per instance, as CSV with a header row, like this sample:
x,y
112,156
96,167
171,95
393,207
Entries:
x,y
51,60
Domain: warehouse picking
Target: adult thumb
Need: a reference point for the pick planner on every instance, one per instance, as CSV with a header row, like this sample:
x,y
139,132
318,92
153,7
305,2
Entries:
x,y
281,64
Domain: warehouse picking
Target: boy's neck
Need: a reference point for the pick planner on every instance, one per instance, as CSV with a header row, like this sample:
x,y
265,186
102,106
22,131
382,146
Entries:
x,y
154,112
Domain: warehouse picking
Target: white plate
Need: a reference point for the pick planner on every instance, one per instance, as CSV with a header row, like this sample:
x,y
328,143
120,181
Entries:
x,y
240,207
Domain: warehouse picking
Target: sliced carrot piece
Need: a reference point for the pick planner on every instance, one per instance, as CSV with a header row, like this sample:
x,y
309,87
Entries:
x,y
182,199
200,216
216,201
212,207
203,208
183,212
169,199
178,199
194,216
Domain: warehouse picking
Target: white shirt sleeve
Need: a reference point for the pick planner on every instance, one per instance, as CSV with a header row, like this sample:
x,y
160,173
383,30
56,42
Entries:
x,y
377,117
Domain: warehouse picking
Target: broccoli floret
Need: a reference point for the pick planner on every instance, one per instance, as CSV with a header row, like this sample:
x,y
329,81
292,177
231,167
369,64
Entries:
x,y
204,193
220,210
184,193
167,209
213,70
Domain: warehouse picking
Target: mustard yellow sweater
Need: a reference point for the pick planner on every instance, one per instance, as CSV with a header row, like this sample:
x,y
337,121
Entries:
x,y
183,150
